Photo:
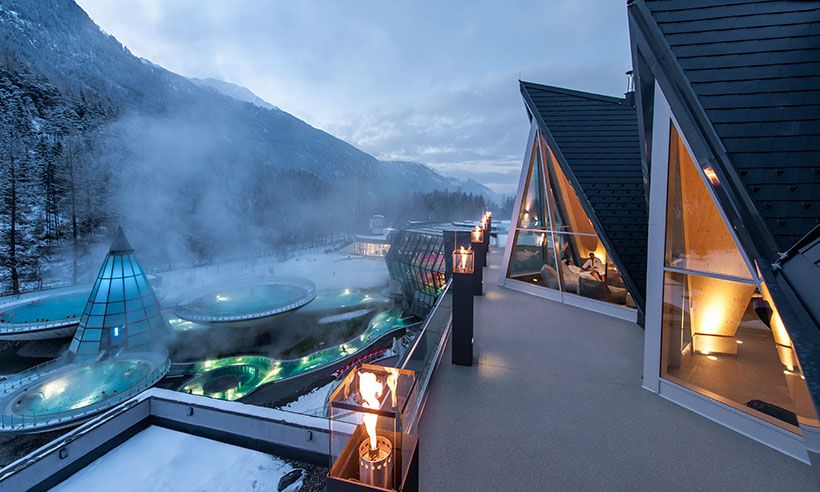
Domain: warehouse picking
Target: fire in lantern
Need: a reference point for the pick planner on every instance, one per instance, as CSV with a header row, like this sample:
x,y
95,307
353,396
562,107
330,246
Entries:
x,y
477,234
375,451
463,260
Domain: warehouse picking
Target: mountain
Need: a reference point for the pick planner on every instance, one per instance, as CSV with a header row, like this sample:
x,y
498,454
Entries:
x,y
234,91
97,136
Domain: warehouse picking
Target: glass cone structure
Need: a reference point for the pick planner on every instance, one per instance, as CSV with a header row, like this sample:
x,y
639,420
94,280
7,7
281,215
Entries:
x,y
122,311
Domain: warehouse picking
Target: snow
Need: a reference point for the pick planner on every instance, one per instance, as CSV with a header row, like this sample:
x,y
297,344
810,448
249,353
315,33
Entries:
x,y
162,459
312,403
336,271
326,270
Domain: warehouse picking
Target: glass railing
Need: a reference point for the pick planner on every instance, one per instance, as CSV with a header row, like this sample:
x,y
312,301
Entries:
x,y
426,351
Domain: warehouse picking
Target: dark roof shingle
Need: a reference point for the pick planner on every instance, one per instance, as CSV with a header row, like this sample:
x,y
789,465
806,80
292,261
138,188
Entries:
x,y
599,141
754,66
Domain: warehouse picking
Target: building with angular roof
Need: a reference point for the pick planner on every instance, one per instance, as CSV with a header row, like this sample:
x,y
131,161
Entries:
x,y
578,232
728,99
122,311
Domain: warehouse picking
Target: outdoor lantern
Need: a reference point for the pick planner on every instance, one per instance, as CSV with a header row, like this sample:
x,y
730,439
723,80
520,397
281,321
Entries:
x,y
463,261
477,235
370,446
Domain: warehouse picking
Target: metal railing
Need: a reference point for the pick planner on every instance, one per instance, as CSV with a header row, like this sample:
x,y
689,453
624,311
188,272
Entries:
x,y
31,421
426,351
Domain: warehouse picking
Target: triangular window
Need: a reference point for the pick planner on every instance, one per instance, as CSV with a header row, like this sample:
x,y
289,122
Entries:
x,y
696,235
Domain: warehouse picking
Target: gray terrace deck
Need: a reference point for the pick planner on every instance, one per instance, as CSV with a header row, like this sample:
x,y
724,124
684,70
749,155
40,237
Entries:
x,y
555,403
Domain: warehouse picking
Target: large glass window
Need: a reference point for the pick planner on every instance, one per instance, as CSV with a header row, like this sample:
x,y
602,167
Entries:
x,y
555,244
696,236
532,214
721,334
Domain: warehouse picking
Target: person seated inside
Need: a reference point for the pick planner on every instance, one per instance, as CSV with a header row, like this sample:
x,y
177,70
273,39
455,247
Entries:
x,y
594,266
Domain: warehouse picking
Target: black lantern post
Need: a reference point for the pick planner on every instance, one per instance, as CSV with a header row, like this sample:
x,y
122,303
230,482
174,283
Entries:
x,y
463,269
479,246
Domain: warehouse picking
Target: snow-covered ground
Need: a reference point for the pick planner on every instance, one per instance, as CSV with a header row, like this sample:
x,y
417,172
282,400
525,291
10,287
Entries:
x,y
163,459
336,271
326,270
312,403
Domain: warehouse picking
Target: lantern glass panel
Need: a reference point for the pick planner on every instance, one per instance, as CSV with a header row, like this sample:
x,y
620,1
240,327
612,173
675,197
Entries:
x,y
370,442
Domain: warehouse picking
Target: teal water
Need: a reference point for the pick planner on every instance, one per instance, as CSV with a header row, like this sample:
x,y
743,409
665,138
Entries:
x,y
80,387
271,370
240,301
57,307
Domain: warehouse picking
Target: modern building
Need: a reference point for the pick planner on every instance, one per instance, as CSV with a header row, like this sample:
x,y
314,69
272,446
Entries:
x,y
728,105
122,311
416,261
371,245
578,232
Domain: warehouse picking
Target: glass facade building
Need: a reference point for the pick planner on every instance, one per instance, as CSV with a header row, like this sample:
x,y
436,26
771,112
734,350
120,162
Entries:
x,y
416,261
122,310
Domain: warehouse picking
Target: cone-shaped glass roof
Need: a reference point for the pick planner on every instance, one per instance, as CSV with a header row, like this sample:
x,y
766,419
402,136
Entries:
x,y
122,310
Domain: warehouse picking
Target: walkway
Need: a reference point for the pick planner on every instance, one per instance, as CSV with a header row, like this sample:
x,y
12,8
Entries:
x,y
555,403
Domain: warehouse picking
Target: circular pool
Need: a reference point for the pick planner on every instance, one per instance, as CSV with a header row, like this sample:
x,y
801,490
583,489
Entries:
x,y
61,394
67,306
229,378
247,302
43,315
80,387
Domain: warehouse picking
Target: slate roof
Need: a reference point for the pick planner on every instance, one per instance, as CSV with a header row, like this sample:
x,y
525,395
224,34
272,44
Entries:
x,y
597,139
755,69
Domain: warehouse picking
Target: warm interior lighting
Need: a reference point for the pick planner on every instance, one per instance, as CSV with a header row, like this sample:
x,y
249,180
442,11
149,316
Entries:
x,y
711,175
370,389
717,308
785,349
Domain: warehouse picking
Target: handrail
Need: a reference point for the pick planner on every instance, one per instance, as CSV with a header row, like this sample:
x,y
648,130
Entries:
x,y
409,355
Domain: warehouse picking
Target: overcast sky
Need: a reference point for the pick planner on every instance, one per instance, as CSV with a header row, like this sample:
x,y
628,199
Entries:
x,y
429,81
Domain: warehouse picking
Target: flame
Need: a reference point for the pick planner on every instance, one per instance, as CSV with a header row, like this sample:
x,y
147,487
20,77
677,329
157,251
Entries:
x,y
392,382
371,389
462,258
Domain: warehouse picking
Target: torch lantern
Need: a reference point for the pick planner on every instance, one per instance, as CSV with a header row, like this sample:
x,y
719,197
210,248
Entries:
x,y
480,247
463,261
370,445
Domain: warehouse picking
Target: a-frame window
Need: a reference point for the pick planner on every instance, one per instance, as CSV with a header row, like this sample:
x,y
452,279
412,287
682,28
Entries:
x,y
555,244
721,334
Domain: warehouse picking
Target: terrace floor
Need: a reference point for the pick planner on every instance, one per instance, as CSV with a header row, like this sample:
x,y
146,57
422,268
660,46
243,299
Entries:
x,y
555,402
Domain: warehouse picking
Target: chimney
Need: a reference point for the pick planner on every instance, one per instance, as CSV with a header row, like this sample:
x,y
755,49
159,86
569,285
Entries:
x,y
629,95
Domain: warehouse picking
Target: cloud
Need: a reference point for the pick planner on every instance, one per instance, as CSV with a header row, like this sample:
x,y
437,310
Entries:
x,y
435,82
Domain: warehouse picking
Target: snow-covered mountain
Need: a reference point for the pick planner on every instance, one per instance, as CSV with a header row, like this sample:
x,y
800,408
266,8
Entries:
x,y
99,136
235,91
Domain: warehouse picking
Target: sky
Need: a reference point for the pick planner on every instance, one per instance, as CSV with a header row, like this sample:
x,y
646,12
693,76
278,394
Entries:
x,y
427,81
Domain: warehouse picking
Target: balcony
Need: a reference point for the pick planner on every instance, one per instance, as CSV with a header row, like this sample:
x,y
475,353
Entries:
x,y
555,401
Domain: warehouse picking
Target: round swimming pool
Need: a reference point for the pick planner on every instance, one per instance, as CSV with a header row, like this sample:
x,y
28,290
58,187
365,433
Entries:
x,y
58,394
230,378
248,302
80,387
57,307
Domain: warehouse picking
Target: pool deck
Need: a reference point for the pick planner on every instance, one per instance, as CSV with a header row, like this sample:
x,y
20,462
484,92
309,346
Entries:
x,y
555,403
